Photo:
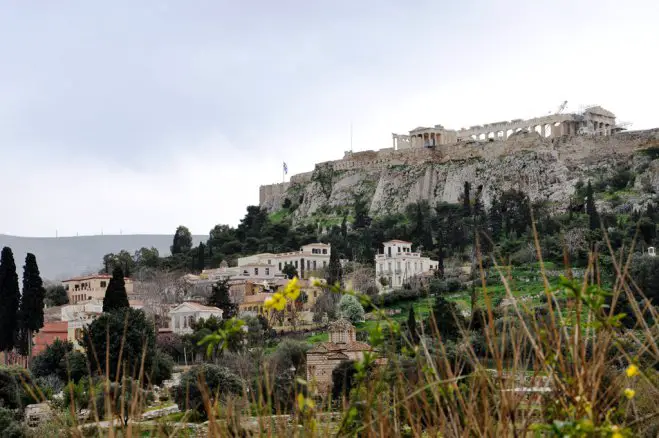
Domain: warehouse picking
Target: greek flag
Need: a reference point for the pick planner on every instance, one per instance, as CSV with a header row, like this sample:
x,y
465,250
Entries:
x,y
285,168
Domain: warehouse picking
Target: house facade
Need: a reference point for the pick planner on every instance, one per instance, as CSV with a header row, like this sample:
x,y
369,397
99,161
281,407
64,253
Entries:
x,y
78,316
185,314
91,287
398,263
50,331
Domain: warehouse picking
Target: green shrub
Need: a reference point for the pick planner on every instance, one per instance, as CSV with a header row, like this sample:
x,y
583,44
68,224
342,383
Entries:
x,y
350,309
10,427
217,382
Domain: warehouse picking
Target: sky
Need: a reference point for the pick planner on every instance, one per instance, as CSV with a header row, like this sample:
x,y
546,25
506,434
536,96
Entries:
x,y
136,117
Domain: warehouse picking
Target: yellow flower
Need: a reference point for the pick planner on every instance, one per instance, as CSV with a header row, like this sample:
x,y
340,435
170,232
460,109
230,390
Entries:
x,y
292,289
275,302
632,370
629,393
616,435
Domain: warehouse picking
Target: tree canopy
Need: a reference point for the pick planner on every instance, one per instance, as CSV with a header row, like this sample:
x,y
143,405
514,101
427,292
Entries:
x,y
220,298
116,297
32,301
128,326
10,297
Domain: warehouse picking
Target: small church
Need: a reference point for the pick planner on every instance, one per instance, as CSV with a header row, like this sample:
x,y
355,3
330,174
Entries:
x,y
324,357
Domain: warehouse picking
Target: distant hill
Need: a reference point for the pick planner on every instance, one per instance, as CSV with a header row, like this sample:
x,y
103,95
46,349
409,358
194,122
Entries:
x,y
64,257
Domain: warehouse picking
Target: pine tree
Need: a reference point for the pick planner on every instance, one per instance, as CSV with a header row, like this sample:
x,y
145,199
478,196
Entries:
x,y
411,327
335,273
116,297
10,297
182,241
31,308
220,298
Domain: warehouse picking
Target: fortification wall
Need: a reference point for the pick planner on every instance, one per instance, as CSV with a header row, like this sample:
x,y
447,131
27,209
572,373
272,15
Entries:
x,y
272,193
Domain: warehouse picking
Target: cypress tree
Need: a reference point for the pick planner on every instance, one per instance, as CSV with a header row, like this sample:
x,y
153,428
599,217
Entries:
x,y
31,308
220,298
116,297
466,201
10,297
335,273
593,219
201,256
411,327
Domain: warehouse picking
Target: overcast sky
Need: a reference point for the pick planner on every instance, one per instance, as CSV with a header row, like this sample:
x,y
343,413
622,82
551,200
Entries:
x,y
142,115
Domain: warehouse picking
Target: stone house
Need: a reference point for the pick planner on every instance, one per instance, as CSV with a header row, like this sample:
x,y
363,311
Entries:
x,y
324,357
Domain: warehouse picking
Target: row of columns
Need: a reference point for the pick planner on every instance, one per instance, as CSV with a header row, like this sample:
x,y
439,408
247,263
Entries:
x,y
547,130
427,139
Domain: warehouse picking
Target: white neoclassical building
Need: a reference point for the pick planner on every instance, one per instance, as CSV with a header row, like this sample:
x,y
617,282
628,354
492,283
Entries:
x,y
398,263
182,316
308,259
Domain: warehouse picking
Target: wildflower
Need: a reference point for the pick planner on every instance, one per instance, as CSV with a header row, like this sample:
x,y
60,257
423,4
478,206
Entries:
x,y
292,289
303,402
632,370
276,302
629,393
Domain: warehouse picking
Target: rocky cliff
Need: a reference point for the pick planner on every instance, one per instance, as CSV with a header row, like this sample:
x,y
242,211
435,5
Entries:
x,y
545,169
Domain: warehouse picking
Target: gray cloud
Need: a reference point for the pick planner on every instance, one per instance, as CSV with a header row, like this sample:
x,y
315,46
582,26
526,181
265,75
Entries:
x,y
143,115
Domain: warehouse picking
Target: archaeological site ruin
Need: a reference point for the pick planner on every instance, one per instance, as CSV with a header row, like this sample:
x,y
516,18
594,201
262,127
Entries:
x,y
438,144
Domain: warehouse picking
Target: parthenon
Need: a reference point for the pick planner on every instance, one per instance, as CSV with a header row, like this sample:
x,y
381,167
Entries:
x,y
593,121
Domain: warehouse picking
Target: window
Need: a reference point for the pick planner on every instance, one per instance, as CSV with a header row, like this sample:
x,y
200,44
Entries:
x,y
295,264
399,249
256,271
185,322
314,265
267,271
389,266
381,267
280,266
103,284
324,263
324,250
269,262
308,264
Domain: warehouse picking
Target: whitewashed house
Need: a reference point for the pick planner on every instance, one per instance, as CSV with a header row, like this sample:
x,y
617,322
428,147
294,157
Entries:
x,y
398,263
182,316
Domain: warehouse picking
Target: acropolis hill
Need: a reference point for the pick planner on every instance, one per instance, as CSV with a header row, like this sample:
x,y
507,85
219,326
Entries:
x,y
543,156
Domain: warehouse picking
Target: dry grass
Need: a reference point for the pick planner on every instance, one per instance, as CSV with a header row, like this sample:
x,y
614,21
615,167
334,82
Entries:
x,y
579,352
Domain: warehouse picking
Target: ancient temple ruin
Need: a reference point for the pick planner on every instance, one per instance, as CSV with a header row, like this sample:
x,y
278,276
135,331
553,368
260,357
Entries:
x,y
594,121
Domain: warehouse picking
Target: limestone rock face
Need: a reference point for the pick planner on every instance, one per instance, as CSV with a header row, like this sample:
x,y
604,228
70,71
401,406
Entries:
x,y
546,170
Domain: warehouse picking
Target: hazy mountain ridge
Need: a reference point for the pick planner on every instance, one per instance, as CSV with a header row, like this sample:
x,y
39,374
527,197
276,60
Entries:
x,y
61,257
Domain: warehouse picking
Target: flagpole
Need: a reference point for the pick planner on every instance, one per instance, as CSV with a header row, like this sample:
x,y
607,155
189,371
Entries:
x,y
351,136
